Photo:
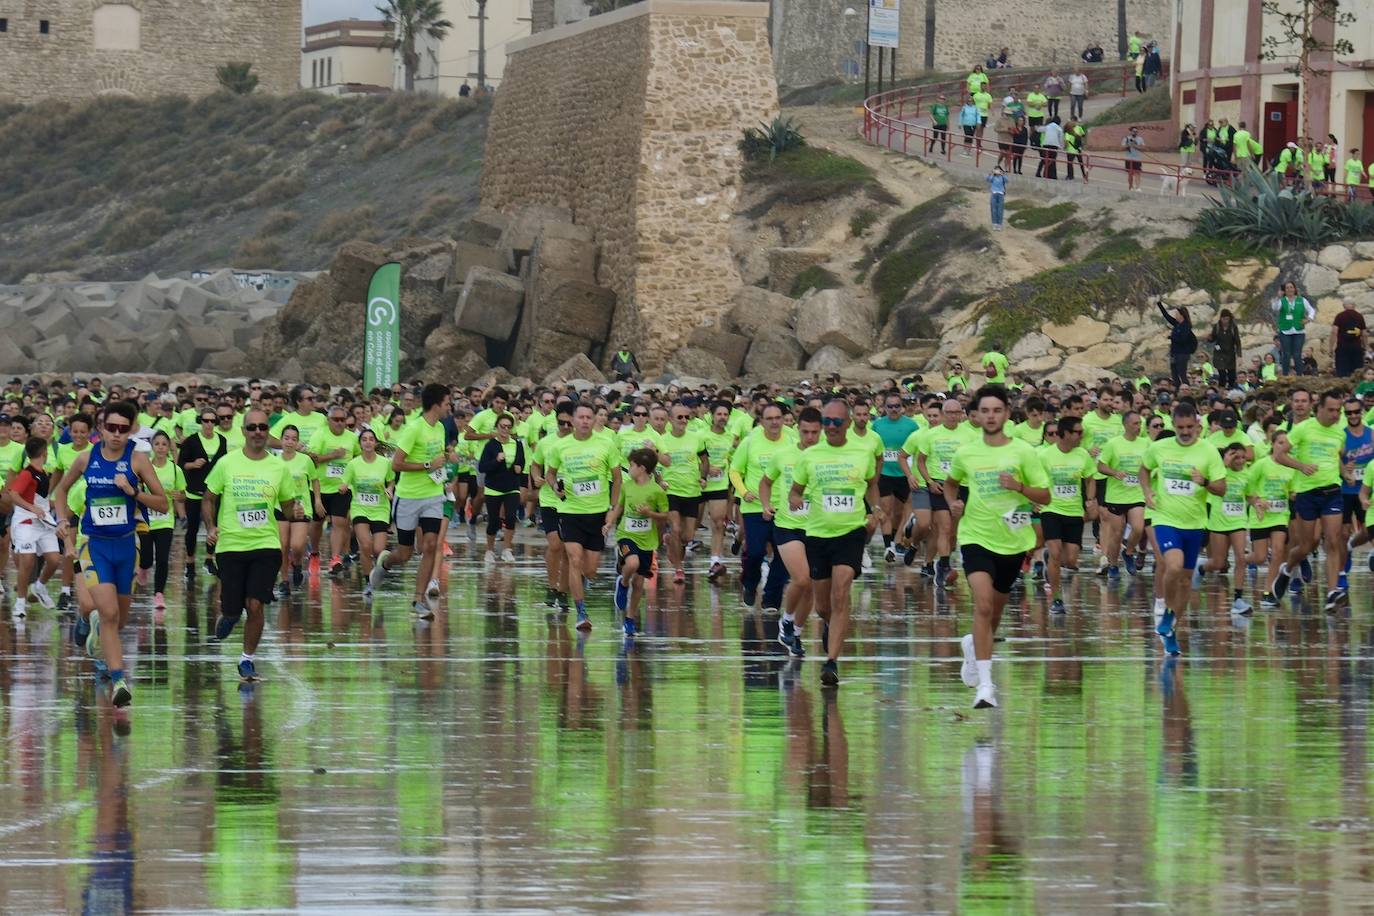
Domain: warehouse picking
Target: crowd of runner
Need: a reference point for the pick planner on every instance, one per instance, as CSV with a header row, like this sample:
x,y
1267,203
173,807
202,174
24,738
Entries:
x,y
786,494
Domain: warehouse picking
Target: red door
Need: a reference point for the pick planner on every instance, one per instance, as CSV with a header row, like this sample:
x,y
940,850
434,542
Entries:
x,y
1367,139
1280,127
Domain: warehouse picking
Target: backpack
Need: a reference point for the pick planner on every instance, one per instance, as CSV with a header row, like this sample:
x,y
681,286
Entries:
x,y
1189,341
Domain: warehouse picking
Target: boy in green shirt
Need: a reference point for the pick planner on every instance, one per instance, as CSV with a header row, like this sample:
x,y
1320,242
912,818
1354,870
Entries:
x,y
642,508
1226,525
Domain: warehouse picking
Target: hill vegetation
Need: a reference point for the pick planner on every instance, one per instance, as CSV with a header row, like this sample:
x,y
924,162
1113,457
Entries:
x,y
116,187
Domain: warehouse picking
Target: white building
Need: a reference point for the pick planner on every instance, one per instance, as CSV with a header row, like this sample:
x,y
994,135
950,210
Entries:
x,y
347,56
446,65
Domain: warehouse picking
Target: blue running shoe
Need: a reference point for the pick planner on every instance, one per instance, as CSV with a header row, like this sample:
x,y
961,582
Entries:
x,y
1295,587
1171,643
1113,573
629,626
786,632
583,621
1306,568
1129,560
80,631
120,694
622,596
102,670
246,670
1342,582
1166,623
223,627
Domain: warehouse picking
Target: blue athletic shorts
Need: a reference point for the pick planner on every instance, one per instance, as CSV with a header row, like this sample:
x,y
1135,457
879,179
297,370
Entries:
x,y
1188,540
110,561
1313,504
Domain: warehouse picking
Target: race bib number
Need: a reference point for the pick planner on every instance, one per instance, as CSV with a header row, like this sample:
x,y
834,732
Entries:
x,y
1017,519
838,502
586,487
1065,491
1233,509
439,476
112,513
369,499
1278,505
252,518
890,455
334,470
1131,480
716,475
637,524
805,508
157,516
1176,487
945,465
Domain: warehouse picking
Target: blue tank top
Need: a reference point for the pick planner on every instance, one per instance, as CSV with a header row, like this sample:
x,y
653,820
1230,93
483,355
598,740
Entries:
x,y
110,512
1358,450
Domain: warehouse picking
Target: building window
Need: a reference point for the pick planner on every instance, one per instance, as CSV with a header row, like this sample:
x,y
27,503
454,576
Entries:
x,y
314,74
42,26
329,71
4,25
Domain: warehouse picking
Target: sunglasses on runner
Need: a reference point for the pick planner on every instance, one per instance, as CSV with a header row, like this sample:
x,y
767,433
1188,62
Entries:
x,y
640,413
833,421
565,424
255,427
207,419
117,428
896,405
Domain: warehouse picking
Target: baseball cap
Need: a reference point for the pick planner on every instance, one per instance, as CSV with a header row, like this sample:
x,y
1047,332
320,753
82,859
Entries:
x,y
1227,418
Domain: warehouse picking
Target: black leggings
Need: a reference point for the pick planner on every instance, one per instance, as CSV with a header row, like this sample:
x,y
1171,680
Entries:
x,y
193,529
507,505
155,549
1178,367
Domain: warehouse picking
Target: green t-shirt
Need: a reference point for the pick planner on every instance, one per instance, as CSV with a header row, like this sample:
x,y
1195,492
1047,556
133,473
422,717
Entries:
x,y
366,481
996,518
641,529
1121,454
1227,513
999,366
779,471
303,473
752,460
741,423
1273,483
249,491
422,442
66,454
682,476
939,444
939,114
983,102
1320,445
869,439
465,456
483,422
1179,501
1220,439
835,479
548,496
1097,431
11,458
331,472
173,481
628,439
1034,436
586,467
306,424
1066,472
718,449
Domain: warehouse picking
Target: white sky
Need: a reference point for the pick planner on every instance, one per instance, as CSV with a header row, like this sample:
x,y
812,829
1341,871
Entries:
x,y
325,10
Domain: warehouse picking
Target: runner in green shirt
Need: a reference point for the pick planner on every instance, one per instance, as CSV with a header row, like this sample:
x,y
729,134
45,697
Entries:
x,y
934,450
555,557
939,125
1068,465
303,416
789,527
1176,475
367,481
748,465
295,531
893,429
161,524
1227,524
1316,449
331,449
1119,462
838,477
720,443
685,460
642,508
1268,490
1005,480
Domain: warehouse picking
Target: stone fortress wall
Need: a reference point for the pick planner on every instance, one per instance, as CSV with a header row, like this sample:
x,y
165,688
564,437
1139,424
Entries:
x,y
144,47
630,120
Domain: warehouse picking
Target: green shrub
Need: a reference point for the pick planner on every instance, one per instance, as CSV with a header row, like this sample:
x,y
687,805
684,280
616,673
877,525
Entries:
x,y
1258,209
806,175
1154,105
278,190
260,253
137,229
237,77
860,222
1040,217
900,270
279,221
814,277
343,224
770,140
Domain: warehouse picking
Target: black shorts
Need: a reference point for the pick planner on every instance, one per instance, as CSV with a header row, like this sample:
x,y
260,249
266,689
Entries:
x,y
686,506
626,548
897,486
468,478
783,535
1004,568
711,495
1350,508
1262,534
1120,509
246,575
938,503
374,526
583,529
277,514
548,520
824,554
1063,528
1133,165
336,505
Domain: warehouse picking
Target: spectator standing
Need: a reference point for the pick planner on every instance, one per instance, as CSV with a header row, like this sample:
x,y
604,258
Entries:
x,y
1182,341
1052,139
1133,143
1331,152
1187,144
1054,91
1245,147
624,365
1133,43
1354,175
1078,93
1139,72
1291,314
1226,348
976,80
1154,65
939,124
1347,340
1035,108
1074,137
997,196
1020,137
968,122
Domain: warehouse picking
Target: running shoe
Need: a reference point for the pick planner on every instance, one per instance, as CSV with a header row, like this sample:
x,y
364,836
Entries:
x,y
622,596
93,636
693,546
867,562
909,555
421,610
890,554
735,546
1306,568
1038,570
120,694
40,594
489,558
628,626
80,630
563,603
748,594
1267,600
336,565
928,570
584,622
550,597
968,671
297,576
1113,573
64,600
432,589
1129,560
507,556
159,601
717,570
787,631
1198,576
1281,580
1166,623
378,573
283,590
986,697
211,569
1170,641
21,607
1335,598
1241,606
1057,606
830,673
246,670
223,627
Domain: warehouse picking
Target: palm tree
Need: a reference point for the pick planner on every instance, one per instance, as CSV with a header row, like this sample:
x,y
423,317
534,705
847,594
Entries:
x,y
407,20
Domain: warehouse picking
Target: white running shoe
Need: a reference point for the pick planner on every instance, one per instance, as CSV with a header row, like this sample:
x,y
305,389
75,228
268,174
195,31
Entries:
x,y
489,558
432,589
868,562
378,573
40,594
21,607
986,697
968,671
507,556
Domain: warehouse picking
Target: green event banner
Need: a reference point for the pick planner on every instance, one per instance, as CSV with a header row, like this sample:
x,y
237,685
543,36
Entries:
x,y
382,343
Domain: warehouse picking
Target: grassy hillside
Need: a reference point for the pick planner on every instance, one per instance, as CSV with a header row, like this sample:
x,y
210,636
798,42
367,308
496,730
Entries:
x,y
116,187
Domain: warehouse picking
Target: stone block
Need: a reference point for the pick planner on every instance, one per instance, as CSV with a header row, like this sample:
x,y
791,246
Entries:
x,y
1358,270
483,228
467,255
246,337
103,329
22,334
1103,355
697,363
430,273
773,349
229,360
574,307
827,359
1314,280
13,358
1081,332
524,228
568,256
731,348
833,317
38,302
192,302
1364,250
577,367
50,352
221,283
53,318
755,309
264,311
1031,345
454,367
490,304
1336,257
352,269
204,341
309,303
547,350
784,264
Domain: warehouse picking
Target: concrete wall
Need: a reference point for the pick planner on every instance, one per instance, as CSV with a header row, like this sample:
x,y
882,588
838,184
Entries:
x,y
146,47
630,120
445,65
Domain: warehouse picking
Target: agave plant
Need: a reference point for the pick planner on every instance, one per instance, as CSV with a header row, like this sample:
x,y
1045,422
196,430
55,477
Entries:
x,y
770,139
1358,220
1256,207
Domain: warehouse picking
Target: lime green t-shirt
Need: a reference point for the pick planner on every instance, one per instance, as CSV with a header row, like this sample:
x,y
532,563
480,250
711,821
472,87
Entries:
x,y
835,479
249,491
1320,445
741,423
1220,439
940,444
718,449
1272,483
422,442
173,481
1034,436
641,529
585,466
303,473
483,422
780,472
307,424
548,496
751,460
983,102
366,481
682,476
869,439
1066,472
465,456
1368,482
11,457
628,439
1179,501
1122,454
66,454
1227,513
1097,432
331,472
994,517
999,367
